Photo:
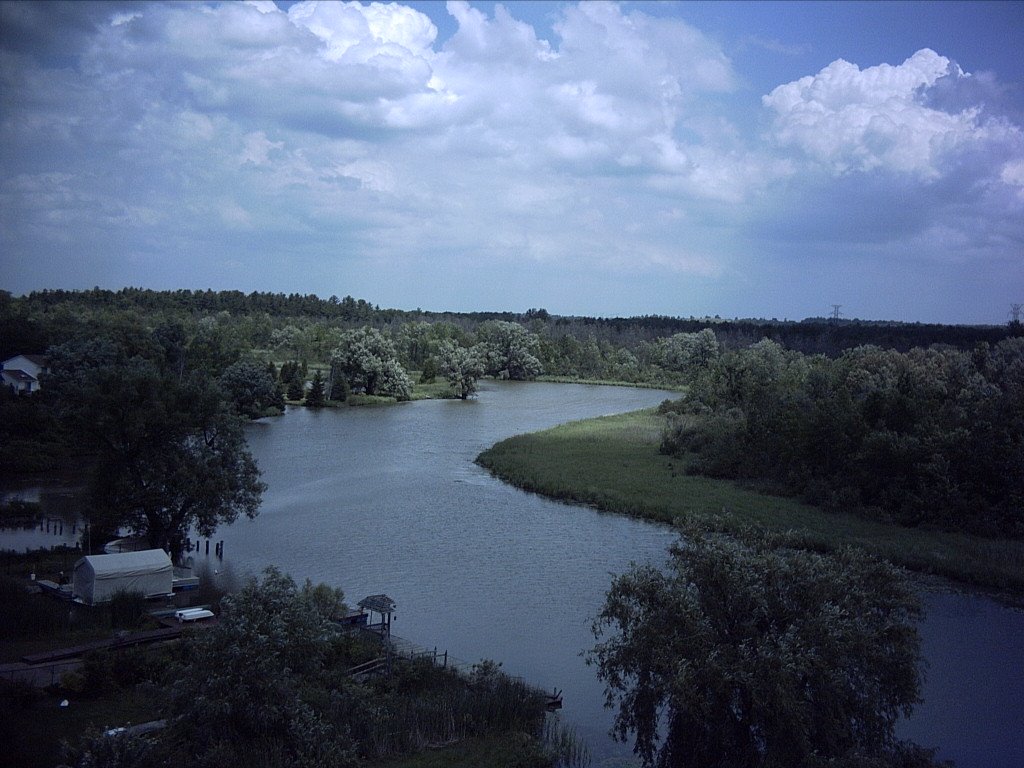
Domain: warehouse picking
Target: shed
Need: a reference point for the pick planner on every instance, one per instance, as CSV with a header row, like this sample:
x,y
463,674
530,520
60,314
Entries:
x,y
383,605
98,577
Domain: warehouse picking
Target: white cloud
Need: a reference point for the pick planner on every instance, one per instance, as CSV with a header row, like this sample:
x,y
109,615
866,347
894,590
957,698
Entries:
x,y
850,119
1013,175
347,132
257,148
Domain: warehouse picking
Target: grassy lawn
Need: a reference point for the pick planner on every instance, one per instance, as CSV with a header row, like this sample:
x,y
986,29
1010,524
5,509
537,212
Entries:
x,y
613,463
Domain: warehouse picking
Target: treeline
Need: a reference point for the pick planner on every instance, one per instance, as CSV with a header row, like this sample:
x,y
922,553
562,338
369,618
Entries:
x,y
928,437
39,319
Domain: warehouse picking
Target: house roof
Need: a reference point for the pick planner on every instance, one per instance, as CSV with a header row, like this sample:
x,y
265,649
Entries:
x,y
378,604
41,360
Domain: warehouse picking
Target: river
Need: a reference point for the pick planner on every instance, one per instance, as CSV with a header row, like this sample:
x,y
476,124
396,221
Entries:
x,y
388,500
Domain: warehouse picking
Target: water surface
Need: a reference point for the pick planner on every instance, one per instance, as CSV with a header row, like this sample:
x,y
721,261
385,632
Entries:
x,y
388,500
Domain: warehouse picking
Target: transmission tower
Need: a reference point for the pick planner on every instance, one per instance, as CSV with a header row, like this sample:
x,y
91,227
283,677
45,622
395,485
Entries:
x,y
1015,311
836,314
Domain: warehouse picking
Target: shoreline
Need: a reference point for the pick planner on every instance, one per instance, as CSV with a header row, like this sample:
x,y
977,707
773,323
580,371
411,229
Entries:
x,y
612,464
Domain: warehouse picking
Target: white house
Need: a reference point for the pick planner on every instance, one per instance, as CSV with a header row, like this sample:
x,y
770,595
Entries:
x,y
21,372
97,577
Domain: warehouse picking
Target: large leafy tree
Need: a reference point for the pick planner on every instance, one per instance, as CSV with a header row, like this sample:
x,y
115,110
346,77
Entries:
x,y
170,454
461,367
248,677
251,389
510,350
743,654
367,360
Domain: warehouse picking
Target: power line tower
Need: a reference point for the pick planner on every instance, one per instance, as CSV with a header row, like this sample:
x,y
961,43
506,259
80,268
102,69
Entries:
x,y
836,314
1015,312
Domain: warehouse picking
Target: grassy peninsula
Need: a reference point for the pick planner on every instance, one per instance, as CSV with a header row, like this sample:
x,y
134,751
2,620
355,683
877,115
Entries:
x,y
613,463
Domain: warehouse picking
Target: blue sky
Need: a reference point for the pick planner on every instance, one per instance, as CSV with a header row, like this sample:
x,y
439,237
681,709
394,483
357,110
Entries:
x,y
739,159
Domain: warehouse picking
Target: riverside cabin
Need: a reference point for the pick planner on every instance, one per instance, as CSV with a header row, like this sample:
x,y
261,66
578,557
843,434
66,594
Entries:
x,y
97,578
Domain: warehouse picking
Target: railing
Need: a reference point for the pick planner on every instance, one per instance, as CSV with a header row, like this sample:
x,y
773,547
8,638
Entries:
x,y
399,647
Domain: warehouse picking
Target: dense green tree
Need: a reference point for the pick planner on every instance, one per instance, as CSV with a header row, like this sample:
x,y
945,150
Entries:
x,y
510,350
247,677
315,396
215,345
367,360
291,339
430,371
296,389
170,456
251,389
461,367
691,353
930,436
742,654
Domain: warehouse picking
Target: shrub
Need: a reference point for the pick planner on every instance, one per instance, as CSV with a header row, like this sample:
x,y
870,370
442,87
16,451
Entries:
x,y
127,609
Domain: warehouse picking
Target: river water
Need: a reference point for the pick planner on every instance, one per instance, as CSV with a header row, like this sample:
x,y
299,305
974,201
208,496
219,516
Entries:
x,y
388,500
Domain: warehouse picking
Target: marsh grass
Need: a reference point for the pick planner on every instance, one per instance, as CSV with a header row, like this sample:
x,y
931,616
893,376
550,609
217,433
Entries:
x,y
613,463
430,705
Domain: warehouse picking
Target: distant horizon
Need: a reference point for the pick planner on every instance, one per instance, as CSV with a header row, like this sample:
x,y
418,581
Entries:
x,y
611,159
554,313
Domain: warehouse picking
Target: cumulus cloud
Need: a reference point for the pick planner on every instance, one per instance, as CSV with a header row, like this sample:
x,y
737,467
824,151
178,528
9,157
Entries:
x,y
349,135
850,119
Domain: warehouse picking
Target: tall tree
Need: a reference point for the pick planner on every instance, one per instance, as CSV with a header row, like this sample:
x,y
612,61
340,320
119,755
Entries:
x,y
511,350
170,456
741,654
367,360
315,396
251,389
246,677
462,367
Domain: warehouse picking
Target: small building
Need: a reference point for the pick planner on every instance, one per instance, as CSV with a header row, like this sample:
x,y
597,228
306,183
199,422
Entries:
x,y
98,577
383,605
21,372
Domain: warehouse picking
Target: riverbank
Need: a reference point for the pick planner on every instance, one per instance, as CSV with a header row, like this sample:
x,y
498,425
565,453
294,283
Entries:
x,y
613,463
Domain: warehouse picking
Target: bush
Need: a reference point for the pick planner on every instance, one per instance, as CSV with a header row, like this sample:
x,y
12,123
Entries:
x,y
127,609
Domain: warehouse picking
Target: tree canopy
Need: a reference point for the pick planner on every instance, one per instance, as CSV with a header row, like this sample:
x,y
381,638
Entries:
x,y
931,436
170,456
510,350
247,674
251,389
461,367
366,358
740,654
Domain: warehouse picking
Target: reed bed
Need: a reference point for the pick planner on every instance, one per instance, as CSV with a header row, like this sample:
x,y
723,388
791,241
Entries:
x,y
613,463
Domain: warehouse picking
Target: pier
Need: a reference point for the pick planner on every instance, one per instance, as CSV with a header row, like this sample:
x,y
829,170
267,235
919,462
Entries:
x,y
397,649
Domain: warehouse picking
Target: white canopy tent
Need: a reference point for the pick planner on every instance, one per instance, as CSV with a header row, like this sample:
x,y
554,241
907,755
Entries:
x,y
98,577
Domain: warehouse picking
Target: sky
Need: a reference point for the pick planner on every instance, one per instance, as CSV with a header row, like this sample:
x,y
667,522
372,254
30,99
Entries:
x,y
765,160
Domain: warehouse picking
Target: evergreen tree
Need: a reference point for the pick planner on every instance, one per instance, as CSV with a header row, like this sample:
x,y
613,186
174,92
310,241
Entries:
x,y
315,395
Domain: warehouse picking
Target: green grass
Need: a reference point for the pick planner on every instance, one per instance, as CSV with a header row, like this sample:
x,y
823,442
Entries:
x,y
613,464
438,389
612,382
